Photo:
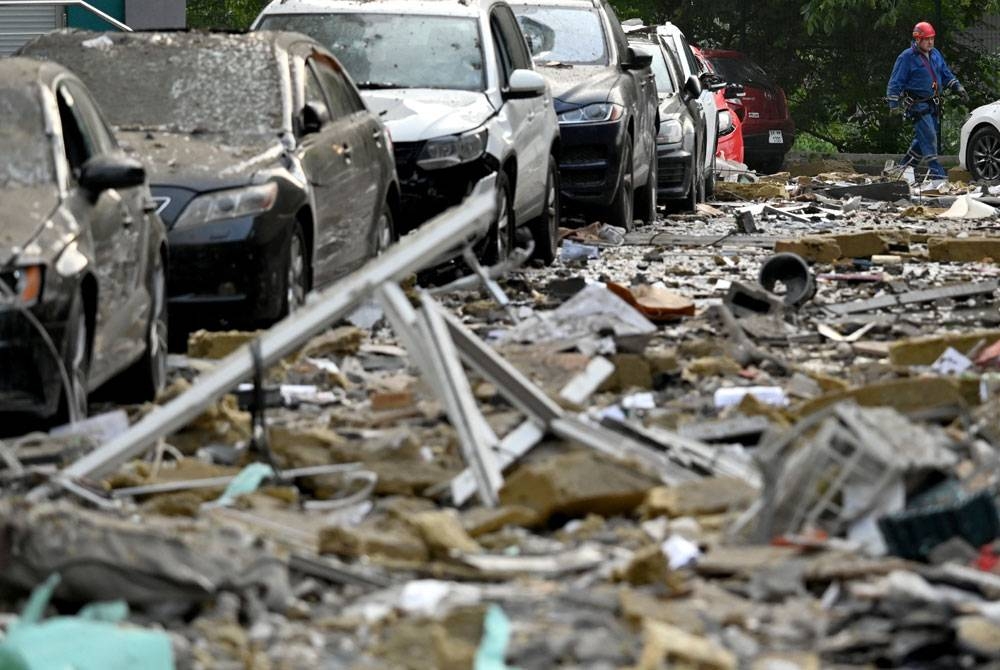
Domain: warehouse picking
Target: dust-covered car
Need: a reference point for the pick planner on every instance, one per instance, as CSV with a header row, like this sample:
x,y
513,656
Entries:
x,y
83,254
271,174
454,84
979,149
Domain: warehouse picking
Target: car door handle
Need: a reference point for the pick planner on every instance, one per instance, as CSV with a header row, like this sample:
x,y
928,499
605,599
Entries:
x,y
149,205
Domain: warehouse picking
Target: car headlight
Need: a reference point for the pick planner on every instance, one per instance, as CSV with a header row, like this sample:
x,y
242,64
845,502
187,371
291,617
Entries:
x,y
229,204
671,132
452,150
595,113
24,284
726,124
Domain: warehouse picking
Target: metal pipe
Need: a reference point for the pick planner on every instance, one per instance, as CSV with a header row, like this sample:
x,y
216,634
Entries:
x,y
71,3
421,249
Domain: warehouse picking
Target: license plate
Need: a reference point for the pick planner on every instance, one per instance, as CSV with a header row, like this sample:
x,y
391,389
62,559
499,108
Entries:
x,y
775,137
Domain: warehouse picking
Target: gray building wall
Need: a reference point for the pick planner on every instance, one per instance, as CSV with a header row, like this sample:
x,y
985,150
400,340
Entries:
x,y
155,14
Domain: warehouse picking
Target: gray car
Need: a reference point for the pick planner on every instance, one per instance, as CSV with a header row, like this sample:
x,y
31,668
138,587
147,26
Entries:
x,y
83,254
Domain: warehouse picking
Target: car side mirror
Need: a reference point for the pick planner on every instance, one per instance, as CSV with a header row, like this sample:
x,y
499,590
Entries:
x,y
712,81
102,173
524,84
735,91
313,117
692,86
637,59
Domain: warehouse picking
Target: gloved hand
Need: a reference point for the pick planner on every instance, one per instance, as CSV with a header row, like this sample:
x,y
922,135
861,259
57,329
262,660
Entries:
x,y
896,111
961,93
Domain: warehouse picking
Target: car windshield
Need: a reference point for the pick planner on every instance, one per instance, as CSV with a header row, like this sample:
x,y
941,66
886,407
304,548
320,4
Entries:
x,y
739,70
188,83
26,151
664,82
396,51
563,35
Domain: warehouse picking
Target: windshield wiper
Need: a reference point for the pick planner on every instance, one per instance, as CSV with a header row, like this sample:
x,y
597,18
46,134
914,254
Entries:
x,y
376,85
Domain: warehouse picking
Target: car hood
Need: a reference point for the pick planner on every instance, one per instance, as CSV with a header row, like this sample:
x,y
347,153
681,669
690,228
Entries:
x,y
197,161
25,211
580,84
416,114
990,110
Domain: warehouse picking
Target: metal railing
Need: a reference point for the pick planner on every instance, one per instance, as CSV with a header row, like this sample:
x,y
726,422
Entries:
x,y
70,3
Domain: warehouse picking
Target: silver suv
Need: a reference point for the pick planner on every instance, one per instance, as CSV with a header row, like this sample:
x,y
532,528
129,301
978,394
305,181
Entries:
x,y
454,83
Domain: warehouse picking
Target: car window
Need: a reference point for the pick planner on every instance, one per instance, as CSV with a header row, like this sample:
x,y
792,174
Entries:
x,y
26,150
96,128
396,50
739,70
502,49
570,35
313,91
77,142
688,56
617,34
520,58
340,94
665,82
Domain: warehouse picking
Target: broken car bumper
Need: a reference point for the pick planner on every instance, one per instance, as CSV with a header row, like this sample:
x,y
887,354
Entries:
x,y
589,165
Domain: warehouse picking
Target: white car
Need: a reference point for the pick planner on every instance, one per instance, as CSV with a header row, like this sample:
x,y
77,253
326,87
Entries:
x,y
979,152
672,38
455,85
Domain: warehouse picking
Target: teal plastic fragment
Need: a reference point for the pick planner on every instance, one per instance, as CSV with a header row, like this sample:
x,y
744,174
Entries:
x,y
492,651
247,481
92,640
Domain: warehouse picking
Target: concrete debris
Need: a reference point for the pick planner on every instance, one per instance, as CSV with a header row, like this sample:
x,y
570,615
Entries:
x,y
761,435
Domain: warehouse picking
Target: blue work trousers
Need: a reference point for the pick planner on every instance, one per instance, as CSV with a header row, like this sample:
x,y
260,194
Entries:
x,y
924,145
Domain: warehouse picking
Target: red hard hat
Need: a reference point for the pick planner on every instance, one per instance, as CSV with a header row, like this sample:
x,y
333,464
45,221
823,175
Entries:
x,y
923,30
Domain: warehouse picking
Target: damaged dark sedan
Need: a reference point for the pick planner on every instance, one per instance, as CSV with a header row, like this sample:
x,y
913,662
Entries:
x,y
272,176
82,253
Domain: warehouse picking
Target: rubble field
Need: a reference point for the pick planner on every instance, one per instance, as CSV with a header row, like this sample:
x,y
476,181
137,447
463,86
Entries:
x,y
762,435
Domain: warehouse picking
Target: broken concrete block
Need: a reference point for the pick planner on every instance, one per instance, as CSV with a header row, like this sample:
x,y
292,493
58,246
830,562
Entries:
x,y
668,646
745,299
957,174
217,344
574,484
382,402
926,350
638,605
979,635
905,395
662,360
483,520
442,532
647,566
758,191
374,539
812,248
712,495
862,245
711,366
786,661
409,477
963,250
303,447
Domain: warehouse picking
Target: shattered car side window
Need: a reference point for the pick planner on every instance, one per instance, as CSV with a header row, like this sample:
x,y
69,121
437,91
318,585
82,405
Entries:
x,y
26,151
556,34
396,51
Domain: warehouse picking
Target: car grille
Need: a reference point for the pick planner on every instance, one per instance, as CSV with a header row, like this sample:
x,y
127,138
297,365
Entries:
x,y
406,154
670,175
585,154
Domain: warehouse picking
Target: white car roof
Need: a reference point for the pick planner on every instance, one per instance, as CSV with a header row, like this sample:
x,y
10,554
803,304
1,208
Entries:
x,y
430,7
668,29
556,3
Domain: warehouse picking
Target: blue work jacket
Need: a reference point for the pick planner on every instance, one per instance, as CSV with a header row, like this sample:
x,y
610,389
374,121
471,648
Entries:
x,y
916,75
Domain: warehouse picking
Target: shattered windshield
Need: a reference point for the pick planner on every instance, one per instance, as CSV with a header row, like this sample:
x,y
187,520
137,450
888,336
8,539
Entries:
x,y
397,51
193,83
558,34
25,151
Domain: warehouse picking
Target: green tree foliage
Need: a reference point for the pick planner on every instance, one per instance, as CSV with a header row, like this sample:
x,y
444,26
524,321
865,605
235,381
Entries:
x,y
223,14
833,57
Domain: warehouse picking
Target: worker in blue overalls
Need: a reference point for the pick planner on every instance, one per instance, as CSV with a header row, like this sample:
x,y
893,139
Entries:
x,y
918,78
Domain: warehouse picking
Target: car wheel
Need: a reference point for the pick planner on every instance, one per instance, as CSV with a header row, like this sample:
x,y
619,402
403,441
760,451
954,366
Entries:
x,y
148,375
710,181
296,284
545,228
500,238
73,393
620,211
983,155
385,230
645,197
691,199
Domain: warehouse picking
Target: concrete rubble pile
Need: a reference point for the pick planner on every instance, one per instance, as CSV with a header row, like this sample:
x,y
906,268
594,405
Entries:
x,y
763,435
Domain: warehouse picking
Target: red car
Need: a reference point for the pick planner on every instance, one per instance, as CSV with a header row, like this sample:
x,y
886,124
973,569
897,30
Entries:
x,y
731,114
768,130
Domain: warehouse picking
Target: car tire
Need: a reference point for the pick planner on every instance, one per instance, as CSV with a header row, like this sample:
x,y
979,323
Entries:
x,y
73,400
545,228
295,284
500,238
983,155
148,375
710,181
620,212
385,230
645,197
690,202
